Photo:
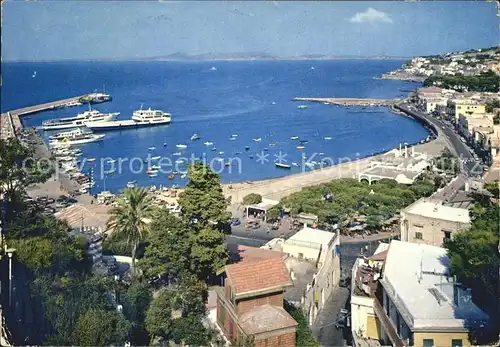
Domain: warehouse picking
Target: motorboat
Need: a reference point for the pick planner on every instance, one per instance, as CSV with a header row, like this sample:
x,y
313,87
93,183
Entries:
x,y
156,157
283,166
140,118
131,185
208,143
195,137
152,148
301,107
74,139
81,120
257,139
328,138
300,147
181,146
294,138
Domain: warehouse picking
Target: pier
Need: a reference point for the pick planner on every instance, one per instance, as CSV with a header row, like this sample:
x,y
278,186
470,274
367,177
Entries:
x,y
10,122
352,101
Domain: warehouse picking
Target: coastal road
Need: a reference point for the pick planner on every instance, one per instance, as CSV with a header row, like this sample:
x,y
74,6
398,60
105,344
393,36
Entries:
x,y
470,167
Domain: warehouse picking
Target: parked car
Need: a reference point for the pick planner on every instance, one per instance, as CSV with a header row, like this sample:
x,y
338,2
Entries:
x,y
235,221
342,318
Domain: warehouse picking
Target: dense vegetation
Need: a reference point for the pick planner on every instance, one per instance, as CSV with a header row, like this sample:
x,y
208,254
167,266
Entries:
x,y
303,336
252,199
349,198
484,82
58,300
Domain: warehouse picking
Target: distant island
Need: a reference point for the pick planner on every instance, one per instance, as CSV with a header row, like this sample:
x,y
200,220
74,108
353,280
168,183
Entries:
x,y
227,57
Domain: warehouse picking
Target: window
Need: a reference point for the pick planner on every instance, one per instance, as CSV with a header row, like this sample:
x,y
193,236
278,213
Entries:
x,y
447,236
301,256
456,343
428,342
418,235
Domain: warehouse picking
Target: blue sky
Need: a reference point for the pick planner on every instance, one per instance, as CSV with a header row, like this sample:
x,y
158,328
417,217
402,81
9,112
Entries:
x,y
56,30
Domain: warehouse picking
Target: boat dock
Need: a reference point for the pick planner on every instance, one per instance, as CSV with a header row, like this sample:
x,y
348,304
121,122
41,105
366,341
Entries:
x,y
351,101
10,121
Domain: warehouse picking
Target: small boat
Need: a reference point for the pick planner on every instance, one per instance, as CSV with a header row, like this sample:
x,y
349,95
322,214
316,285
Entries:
x,y
195,137
91,160
294,138
183,176
283,166
164,144
177,153
155,167
273,144
258,139
273,103
237,153
295,164
154,174
312,67
156,157
171,177
152,148
326,103
214,149
213,68
181,146
234,135
151,171
208,143
304,142
266,149
328,138
221,153
227,164
112,171
301,107
247,148
130,185
179,161
111,161
219,159
132,182
300,147
321,153
34,74
232,139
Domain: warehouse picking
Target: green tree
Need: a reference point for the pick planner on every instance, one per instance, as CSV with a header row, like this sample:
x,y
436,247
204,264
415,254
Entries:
x,y
491,105
159,316
98,327
136,300
203,202
168,253
19,168
303,336
252,199
204,212
132,217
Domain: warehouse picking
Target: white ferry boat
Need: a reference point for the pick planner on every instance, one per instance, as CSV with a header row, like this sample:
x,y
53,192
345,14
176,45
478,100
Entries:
x,y
73,138
79,121
140,118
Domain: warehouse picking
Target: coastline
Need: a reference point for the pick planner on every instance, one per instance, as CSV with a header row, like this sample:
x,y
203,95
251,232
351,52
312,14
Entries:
x,y
401,77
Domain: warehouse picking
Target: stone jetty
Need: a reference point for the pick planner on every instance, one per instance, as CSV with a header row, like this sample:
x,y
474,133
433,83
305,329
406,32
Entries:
x,y
351,101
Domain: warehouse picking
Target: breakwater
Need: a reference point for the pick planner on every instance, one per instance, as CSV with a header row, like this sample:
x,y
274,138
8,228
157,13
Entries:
x,y
351,101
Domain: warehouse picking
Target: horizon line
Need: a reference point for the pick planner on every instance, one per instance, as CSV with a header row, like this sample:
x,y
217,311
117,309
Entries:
x,y
193,59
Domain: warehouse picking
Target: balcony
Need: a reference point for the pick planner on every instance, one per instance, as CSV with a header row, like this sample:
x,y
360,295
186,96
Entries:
x,y
386,323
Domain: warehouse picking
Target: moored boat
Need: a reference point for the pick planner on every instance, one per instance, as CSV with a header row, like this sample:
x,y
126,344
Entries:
x,y
283,166
195,137
80,120
140,118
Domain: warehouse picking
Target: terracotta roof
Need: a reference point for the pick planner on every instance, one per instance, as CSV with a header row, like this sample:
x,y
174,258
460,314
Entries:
x,y
77,215
265,318
379,256
241,253
258,275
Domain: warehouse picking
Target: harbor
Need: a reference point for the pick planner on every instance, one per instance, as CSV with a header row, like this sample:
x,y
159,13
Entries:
x,y
351,101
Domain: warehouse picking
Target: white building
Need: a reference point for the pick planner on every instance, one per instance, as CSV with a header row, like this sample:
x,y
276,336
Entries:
x,y
432,223
419,303
313,258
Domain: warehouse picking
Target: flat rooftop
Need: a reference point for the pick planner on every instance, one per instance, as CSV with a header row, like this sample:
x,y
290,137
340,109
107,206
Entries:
x,y
391,172
437,211
312,235
418,280
302,273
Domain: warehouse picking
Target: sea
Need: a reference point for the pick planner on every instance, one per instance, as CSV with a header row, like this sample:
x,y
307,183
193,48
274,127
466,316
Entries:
x,y
251,100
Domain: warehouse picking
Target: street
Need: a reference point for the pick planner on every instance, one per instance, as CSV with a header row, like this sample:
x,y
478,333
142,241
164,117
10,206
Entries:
x,y
470,166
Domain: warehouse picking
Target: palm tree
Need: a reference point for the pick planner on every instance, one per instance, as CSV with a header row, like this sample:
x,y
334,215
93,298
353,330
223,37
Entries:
x,y
132,216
